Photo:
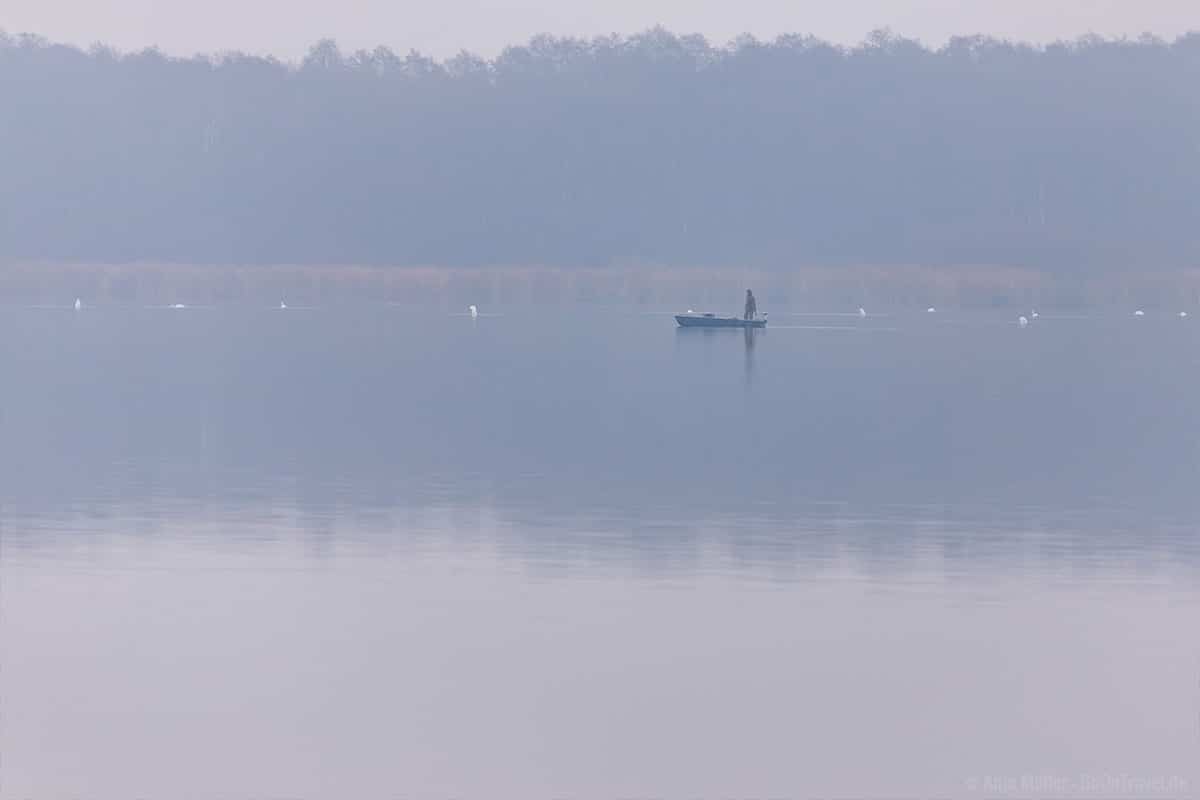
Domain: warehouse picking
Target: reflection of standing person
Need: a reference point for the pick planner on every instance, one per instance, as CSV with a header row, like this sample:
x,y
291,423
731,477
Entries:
x,y
749,333
751,306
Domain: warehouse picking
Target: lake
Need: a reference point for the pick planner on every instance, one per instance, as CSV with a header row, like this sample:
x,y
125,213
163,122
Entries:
x,y
375,551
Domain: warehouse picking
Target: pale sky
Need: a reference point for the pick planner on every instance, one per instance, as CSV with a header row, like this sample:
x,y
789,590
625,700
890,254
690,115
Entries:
x,y
286,28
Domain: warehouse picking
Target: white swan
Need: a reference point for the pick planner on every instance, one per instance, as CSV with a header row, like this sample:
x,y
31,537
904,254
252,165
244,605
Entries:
x,y
78,304
1022,321
474,311
862,312
282,305
1033,315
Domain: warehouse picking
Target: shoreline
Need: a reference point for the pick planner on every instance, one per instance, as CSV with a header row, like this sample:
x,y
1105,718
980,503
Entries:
x,y
808,286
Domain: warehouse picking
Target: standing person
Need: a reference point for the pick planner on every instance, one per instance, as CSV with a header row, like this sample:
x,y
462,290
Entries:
x,y
751,306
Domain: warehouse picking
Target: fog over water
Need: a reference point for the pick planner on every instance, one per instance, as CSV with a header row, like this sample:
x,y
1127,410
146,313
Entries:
x,y
349,446
378,551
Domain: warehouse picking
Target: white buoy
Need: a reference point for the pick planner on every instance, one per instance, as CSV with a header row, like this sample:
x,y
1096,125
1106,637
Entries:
x,y
78,304
474,311
1022,321
862,312
1139,313
931,310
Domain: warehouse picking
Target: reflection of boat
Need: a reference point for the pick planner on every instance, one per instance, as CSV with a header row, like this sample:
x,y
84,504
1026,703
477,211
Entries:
x,y
692,320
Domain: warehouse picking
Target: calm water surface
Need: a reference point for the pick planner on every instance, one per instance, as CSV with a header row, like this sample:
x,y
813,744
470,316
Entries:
x,y
378,552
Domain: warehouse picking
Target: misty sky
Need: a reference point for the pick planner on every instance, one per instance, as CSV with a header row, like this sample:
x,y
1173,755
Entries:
x,y
287,27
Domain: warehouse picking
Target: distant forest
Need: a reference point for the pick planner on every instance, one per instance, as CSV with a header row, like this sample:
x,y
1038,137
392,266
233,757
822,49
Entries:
x,y
652,149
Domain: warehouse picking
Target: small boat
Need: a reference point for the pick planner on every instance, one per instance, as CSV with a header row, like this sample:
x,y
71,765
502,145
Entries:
x,y
693,320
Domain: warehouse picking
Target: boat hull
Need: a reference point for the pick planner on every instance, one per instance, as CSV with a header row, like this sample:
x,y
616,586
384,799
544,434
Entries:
x,y
703,321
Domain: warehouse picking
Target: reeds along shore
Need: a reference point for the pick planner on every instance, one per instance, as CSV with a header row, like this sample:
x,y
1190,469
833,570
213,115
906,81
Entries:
x,y
668,288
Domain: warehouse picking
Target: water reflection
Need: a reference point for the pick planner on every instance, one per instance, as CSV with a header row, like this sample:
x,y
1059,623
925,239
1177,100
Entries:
x,y
715,340
782,542
631,424
749,335
584,559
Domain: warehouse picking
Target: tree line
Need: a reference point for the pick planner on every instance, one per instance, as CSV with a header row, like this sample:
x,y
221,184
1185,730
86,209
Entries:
x,y
655,148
